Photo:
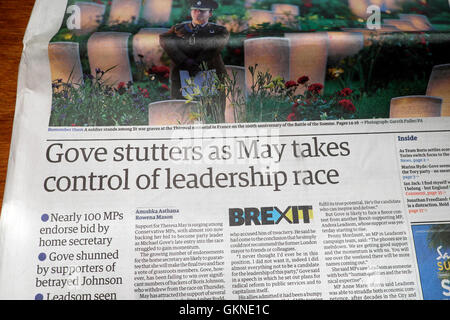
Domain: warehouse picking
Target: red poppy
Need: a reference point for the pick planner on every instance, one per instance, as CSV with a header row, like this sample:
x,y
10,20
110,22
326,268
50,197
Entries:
x,y
303,79
345,92
315,88
121,85
294,107
290,84
165,69
165,87
347,105
160,70
291,117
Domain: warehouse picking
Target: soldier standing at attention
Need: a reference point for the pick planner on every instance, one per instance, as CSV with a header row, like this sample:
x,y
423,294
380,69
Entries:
x,y
190,44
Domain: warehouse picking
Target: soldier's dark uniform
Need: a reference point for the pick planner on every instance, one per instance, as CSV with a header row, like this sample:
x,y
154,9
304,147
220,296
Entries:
x,y
189,46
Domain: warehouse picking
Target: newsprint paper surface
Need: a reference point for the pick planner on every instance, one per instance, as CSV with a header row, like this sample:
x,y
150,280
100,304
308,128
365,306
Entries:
x,y
299,185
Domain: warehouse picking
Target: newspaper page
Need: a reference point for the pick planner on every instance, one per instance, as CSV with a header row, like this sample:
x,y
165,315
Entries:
x,y
318,167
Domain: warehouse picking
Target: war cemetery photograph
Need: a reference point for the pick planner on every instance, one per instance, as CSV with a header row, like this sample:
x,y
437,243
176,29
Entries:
x,y
169,62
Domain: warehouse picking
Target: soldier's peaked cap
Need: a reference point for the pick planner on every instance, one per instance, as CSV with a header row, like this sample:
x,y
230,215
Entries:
x,y
203,4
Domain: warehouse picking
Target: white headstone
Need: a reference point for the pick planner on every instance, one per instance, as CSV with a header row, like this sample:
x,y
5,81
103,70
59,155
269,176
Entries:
x,y
359,7
157,11
415,107
392,5
171,112
281,8
419,21
271,54
377,2
308,56
257,17
285,13
233,114
343,45
124,11
146,44
385,28
402,25
439,86
91,17
65,64
109,50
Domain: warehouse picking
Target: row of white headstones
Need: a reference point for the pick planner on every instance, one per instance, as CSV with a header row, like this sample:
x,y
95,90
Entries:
x,y
158,12
287,14
91,14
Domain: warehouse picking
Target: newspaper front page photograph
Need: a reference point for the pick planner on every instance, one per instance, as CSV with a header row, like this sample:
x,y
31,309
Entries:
x,y
230,150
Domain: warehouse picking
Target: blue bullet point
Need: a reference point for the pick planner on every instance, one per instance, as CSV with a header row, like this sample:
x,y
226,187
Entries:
x,y
39,297
44,217
42,256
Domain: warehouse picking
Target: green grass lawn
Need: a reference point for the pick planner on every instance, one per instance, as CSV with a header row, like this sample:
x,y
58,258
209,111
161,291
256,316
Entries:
x,y
442,27
376,104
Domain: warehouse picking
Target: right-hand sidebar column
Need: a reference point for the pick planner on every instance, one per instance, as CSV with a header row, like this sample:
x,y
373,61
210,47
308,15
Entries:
x,y
425,172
